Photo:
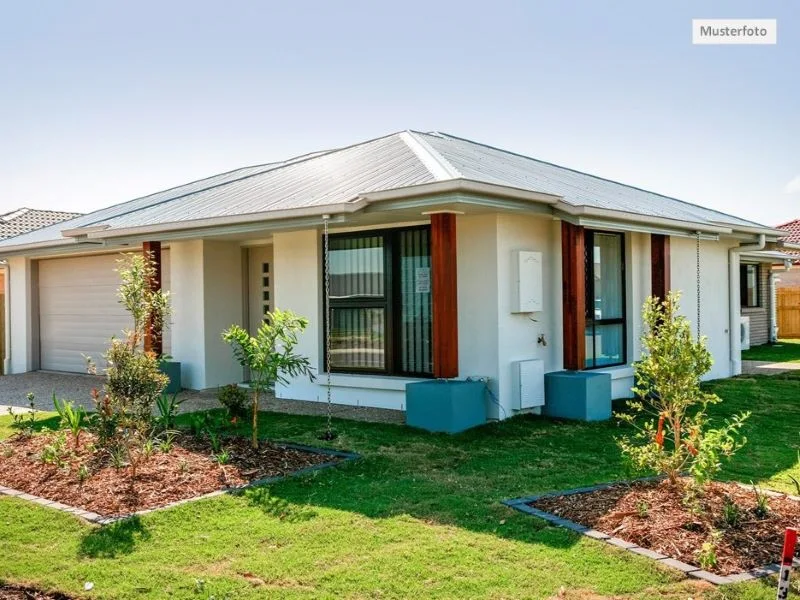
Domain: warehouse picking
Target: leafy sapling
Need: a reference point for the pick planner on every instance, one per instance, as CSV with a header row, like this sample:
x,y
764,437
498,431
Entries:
x,y
270,355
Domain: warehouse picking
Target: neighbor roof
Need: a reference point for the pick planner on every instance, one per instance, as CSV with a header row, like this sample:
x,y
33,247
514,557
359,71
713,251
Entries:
x,y
24,220
394,162
793,229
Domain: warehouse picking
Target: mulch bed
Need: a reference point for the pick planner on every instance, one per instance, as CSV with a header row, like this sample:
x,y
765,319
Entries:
x,y
186,471
13,592
653,515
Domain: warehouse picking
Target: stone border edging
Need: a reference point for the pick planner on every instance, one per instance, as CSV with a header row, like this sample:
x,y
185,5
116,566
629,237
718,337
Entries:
x,y
97,519
521,504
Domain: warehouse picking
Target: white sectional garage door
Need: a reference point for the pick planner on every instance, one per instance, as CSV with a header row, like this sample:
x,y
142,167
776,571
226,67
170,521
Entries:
x,y
79,311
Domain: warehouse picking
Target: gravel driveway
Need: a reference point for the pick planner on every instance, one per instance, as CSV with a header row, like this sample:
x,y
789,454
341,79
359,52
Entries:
x,y
78,388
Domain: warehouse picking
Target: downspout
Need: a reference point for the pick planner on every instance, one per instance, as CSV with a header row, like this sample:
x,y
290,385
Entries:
x,y
734,310
773,312
7,316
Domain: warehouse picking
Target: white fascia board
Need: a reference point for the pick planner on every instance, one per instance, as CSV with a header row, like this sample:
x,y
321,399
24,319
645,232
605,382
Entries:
x,y
588,212
232,223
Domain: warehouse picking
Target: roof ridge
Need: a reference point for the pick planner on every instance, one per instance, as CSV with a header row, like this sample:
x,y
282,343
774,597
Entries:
x,y
441,168
445,135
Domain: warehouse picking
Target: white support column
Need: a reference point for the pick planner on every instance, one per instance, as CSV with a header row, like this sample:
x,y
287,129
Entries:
x,y
22,296
188,326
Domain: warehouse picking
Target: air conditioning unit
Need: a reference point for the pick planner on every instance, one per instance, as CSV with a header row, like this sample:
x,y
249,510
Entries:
x,y
744,328
528,383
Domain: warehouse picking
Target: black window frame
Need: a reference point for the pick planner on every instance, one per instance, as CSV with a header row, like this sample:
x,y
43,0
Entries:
x,y
591,322
391,303
743,285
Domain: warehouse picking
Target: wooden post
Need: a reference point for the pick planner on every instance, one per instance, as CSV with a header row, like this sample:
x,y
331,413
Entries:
x,y
153,341
573,268
445,295
659,265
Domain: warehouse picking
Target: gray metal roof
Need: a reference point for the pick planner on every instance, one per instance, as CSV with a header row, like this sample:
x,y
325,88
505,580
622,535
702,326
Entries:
x,y
391,162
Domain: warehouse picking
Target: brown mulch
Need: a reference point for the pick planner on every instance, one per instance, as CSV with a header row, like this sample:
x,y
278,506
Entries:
x,y
653,515
13,592
186,471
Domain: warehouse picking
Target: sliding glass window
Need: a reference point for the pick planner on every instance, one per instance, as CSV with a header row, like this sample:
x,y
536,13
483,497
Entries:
x,y
381,303
605,299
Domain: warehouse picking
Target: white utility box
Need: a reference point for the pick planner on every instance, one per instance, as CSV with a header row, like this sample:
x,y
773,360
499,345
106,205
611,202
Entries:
x,y
527,294
528,383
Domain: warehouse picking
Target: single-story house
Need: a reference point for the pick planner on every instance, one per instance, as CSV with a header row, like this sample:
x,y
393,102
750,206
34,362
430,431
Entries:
x,y
16,223
760,274
447,259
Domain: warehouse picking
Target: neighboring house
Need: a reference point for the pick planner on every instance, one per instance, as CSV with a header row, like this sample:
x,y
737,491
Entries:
x,y
759,274
448,258
15,223
790,278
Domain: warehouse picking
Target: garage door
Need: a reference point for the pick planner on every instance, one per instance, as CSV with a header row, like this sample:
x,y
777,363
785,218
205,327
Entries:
x,y
79,310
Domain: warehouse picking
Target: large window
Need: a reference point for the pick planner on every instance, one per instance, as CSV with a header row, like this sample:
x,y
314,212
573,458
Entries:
x,y
380,296
605,299
748,285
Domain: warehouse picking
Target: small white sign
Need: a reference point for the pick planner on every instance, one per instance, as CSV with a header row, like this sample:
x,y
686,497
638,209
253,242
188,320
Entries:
x,y
734,31
422,280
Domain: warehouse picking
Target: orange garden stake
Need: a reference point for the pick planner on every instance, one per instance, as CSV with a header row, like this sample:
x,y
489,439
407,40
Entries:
x,y
789,543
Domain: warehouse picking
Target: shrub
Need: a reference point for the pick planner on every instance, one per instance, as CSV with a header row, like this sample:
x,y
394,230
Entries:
x,y
71,418
731,513
676,436
133,381
269,354
234,399
762,502
167,410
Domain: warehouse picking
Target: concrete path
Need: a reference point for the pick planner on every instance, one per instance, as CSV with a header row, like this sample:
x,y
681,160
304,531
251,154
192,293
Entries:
x,y
78,388
765,367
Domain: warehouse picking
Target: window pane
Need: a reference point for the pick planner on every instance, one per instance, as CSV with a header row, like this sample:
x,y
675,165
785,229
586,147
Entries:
x,y
358,338
416,354
608,345
357,267
752,285
607,258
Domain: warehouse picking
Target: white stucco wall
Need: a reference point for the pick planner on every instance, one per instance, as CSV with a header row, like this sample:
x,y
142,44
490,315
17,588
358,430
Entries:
x,y
714,285
206,282
22,299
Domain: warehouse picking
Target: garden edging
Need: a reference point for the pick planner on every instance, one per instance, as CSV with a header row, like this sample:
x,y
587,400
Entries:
x,y
522,505
97,519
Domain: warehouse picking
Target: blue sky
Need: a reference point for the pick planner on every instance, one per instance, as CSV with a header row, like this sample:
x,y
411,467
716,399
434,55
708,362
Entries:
x,y
106,101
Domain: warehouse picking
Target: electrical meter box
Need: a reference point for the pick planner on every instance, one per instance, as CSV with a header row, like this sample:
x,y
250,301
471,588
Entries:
x,y
527,293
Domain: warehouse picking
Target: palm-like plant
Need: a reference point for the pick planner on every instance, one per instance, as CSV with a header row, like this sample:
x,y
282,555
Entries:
x,y
269,355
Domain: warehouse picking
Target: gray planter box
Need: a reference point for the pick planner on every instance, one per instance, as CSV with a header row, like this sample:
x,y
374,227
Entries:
x,y
579,395
172,370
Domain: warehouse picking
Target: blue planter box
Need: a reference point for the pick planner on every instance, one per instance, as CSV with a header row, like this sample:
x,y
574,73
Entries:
x,y
580,395
444,405
172,370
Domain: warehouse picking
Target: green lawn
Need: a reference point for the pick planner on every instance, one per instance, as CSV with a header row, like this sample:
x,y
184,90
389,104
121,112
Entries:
x,y
783,351
417,517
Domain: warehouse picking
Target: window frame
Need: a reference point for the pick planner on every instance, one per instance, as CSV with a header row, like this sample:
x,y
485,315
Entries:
x,y
743,285
390,303
590,321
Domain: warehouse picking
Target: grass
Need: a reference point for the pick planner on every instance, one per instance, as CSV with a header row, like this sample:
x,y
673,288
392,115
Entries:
x,y
418,517
783,351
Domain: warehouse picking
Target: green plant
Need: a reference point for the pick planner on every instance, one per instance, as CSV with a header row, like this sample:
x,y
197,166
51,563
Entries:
x,y
167,407
213,437
669,411
71,418
148,447
761,511
55,453
83,473
707,555
731,512
148,307
642,508
25,422
234,399
222,457
183,466
117,454
269,355
166,442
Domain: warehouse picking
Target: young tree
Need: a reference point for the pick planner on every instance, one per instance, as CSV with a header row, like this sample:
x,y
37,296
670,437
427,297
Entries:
x,y
148,307
677,436
269,354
